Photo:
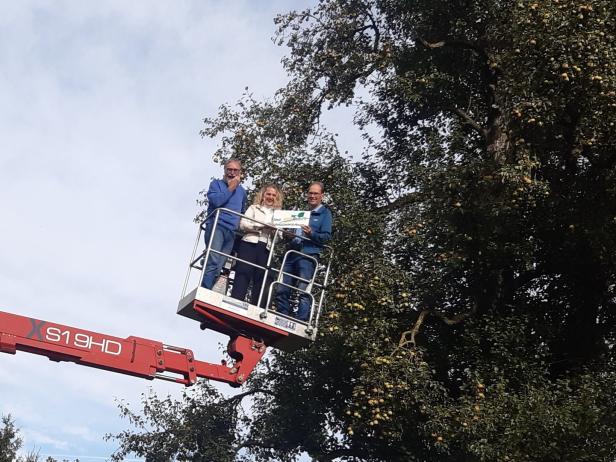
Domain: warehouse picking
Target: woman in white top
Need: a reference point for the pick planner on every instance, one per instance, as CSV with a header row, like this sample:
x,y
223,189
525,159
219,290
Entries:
x,y
254,246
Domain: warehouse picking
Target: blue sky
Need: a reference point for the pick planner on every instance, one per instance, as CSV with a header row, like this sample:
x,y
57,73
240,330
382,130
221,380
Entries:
x,y
100,165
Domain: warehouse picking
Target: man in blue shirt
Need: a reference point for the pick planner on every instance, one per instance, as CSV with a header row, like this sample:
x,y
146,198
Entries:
x,y
229,194
319,231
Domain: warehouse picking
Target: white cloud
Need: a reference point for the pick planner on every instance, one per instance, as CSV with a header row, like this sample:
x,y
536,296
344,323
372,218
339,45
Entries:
x,y
40,439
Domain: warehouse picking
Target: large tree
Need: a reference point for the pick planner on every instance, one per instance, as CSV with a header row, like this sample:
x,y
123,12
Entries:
x,y
472,316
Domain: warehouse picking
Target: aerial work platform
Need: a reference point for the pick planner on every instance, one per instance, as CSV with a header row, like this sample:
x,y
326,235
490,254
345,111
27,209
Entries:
x,y
217,310
231,317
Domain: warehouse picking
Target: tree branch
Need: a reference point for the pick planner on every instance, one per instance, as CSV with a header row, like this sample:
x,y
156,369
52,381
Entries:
x,y
417,325
335,454
377,33
470,121
398,203
253,391
456,319
454,44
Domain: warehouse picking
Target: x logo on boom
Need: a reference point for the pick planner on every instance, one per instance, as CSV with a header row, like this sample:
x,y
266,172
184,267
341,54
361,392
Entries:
x,y
36,329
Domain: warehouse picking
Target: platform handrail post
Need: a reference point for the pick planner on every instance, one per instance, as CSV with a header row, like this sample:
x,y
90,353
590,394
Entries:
x,y
192,258
267,270
324,287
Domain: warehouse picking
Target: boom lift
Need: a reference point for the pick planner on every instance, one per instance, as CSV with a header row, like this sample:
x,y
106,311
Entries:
x,y
251,330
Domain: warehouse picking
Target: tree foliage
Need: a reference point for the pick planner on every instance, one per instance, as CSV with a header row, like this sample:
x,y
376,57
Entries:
x,y
472,316
10,442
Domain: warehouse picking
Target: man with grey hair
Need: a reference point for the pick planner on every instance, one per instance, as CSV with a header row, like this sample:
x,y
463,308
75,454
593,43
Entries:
x,y
229,194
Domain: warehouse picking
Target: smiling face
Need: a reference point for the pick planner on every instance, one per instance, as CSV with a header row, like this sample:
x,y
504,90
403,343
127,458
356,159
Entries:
x,y
315,196
269,197
232,170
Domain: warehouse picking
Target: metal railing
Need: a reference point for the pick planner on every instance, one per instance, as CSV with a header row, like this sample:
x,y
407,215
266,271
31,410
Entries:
x,y
316,285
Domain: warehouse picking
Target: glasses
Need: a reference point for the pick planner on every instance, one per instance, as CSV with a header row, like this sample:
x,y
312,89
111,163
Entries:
x,y
232,170
314,193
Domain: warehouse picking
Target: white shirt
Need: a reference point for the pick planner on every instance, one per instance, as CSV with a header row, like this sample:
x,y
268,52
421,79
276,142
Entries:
x,y
255,232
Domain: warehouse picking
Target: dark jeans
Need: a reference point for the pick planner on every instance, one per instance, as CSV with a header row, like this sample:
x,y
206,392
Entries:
x,y
223,241
245,273
303,267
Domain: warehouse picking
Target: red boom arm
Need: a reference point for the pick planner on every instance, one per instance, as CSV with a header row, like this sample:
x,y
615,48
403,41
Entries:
x,y
135,356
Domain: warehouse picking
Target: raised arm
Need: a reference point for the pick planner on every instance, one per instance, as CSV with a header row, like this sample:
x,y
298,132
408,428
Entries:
x,y
218,194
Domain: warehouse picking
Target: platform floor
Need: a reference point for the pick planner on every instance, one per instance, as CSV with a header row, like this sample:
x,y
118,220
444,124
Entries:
x,y
275,329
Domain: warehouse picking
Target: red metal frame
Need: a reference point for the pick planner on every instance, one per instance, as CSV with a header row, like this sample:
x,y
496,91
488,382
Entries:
x,y
230,323
134,356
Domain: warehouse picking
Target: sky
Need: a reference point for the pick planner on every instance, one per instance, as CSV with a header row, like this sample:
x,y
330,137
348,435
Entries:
x,y
101,162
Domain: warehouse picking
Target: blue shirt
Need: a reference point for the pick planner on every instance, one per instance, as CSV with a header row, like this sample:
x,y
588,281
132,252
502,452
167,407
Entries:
x,y
219,196
321,222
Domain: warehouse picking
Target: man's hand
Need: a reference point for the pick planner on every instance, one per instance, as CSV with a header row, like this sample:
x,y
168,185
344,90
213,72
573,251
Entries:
x,y
307,230
288,234
233,183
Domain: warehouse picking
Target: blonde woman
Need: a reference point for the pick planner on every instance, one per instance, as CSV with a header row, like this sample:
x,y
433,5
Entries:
x,y
254,246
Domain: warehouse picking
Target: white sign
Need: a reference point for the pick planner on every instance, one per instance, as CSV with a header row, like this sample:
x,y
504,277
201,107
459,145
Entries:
x,y
291,218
